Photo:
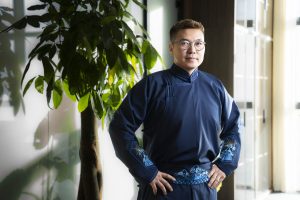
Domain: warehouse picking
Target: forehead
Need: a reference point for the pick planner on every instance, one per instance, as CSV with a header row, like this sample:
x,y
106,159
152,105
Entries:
x,y
190,34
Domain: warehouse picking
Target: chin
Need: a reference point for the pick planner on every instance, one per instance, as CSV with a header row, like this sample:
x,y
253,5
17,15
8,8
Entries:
x,y
191,67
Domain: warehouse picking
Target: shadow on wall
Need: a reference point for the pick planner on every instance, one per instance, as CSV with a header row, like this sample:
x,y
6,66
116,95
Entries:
x,y
54,171
10,73
53,174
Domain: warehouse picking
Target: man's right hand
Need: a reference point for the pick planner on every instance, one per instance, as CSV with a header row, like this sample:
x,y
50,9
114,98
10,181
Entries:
x,y
161,181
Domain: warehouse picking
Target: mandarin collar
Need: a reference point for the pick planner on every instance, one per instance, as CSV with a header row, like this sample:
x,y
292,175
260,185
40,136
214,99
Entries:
x,y
184,75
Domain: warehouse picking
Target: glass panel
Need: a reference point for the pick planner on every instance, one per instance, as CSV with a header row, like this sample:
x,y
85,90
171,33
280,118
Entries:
x,y
252,89
264,16
245,13
244,95
251,14
292,67
296,121
263,116
240,7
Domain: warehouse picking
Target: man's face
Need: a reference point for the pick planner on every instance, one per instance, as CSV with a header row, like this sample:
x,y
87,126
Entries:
x,y
188,57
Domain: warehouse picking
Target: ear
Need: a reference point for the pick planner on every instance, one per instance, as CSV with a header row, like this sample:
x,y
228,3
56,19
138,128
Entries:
x,y
171,48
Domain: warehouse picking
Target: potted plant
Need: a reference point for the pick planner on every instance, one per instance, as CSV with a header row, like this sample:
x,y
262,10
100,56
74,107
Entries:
x,y
89,53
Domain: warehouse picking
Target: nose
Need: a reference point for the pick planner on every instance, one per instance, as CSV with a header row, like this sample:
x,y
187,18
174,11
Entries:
x,y
191,49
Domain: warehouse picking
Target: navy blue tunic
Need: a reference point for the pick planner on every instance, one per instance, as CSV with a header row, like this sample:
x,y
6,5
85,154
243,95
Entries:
x,y
190,122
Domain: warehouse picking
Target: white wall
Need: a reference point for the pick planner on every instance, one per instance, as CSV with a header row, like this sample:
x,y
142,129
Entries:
x,y
286,94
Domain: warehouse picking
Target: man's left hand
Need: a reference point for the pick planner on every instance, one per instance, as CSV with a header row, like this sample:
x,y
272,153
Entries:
x,y
216,176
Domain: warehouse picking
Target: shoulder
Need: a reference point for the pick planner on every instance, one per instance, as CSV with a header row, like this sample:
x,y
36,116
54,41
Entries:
x,y
211,79
158,77
214,84
151,81
155,79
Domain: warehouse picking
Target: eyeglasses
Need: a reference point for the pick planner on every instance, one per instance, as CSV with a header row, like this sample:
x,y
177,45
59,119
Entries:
x,y
185,44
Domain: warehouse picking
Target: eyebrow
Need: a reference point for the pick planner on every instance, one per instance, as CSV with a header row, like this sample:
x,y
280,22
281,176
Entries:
x,y
190,41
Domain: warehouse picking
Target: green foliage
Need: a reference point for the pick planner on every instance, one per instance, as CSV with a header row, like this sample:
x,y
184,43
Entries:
x,y
87,51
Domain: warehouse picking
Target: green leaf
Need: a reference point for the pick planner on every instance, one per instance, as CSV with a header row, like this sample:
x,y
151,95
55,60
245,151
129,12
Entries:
x,y
39,84
129,32
140,4
117,33
45,17
49,91
105,96
52,51
65,87
107,20
97,105
57,98
111,55
48,69
145,46
123,60
25,71
28,84
150,56
42,51
34,20
37,7
49,29
83,102
33,52
116,98
57,94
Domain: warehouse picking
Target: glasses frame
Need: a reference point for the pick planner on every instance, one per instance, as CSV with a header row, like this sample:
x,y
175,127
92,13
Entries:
x,y
190,43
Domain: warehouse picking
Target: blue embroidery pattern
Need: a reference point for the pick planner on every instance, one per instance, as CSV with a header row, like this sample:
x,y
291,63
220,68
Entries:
x,y
227,151
142,155
196,175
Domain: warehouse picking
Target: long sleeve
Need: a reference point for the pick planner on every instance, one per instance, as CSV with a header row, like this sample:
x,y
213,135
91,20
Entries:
x,y
230,135
125,122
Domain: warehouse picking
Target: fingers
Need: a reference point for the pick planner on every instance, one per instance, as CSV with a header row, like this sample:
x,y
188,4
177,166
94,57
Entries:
x,y
216,177
168,176
161,182
163,187
154,188
166,186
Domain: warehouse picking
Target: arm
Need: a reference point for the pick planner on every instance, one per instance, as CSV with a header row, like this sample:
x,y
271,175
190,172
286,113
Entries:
x,y
125,122
230,135
231,143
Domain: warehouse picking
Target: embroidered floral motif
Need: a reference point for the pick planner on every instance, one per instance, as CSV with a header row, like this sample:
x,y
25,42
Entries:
x,y
142,155
196,175
227,152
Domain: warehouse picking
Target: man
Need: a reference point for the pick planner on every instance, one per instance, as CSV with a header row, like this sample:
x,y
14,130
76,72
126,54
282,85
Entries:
x,y
191,136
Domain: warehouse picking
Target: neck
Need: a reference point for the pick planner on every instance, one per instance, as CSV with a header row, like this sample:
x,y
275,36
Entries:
x,y
189,71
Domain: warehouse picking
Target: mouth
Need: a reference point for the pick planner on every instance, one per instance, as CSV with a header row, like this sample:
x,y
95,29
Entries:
x,y
191,58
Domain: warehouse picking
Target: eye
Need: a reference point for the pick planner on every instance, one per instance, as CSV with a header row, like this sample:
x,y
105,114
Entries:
x,y
184,43
198,43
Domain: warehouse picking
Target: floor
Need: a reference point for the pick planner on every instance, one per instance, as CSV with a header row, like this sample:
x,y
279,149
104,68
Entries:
x,y
283,196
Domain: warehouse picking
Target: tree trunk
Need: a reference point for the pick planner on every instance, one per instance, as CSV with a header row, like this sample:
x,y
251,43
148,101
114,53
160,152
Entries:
x,y
90,184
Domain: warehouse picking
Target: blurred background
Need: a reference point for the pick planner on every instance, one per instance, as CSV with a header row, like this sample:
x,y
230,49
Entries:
x,y
252,46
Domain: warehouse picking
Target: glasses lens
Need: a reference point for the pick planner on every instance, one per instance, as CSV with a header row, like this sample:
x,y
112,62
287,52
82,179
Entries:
x,y
185,44
199,45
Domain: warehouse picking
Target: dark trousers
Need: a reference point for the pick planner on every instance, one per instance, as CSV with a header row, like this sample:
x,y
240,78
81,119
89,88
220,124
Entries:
x,y
180,192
